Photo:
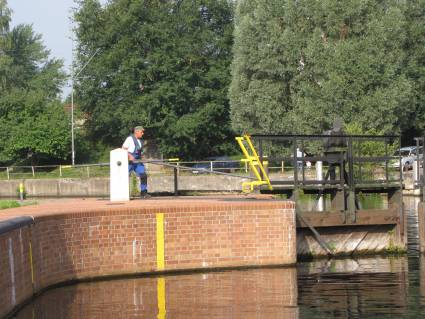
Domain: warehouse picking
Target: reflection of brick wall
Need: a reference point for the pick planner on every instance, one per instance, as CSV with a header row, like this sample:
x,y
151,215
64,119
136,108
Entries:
x,y
116,241
260,293
15,274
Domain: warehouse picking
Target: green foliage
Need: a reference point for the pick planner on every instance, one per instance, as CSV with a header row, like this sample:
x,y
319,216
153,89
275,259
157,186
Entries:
x,y
392,249
4,17
162,64
370,148
33,124
4,204
415,64
299,64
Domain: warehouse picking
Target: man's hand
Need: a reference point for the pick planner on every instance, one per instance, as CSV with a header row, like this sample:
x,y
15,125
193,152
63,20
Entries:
x,y
130,157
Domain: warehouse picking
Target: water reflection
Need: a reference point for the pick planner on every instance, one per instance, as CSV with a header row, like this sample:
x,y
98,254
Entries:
x,y
364,288
266,293
308,202
378,287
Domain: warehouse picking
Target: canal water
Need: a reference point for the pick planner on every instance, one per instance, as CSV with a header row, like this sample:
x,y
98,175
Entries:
x,y
374,287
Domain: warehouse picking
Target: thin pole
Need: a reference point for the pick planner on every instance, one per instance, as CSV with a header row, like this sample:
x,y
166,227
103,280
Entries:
x,y
72,106
422,179
176,182
73,77
386,161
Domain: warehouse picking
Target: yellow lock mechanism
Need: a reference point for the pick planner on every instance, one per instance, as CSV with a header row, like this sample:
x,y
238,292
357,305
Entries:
x,y
251,157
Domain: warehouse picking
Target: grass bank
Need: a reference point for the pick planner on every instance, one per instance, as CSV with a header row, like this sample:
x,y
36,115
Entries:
x,y
4,204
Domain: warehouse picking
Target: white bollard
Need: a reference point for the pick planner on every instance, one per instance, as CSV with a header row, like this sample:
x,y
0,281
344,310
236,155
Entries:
x,y
416,172
319,177
119,181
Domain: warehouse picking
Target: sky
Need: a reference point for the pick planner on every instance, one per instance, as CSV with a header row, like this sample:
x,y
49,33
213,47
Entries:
x,y
50,18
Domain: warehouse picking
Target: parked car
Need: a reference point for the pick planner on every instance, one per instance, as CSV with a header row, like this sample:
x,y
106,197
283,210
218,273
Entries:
x,y
221,164
408,156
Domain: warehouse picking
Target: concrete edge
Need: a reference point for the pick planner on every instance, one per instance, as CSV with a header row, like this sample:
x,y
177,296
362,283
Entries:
x,y
15,223
43,213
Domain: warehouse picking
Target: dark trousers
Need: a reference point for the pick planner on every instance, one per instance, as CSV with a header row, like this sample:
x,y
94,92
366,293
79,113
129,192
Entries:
x,y
140,171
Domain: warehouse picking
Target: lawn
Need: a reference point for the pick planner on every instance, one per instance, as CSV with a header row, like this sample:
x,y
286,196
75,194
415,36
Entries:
x,y
8,204
13,203
39,172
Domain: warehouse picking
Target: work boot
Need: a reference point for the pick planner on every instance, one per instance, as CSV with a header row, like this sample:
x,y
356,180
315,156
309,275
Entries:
x,y
144,195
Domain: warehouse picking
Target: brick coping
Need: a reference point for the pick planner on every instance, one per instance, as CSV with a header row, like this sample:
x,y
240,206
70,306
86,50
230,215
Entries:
x,y
90,206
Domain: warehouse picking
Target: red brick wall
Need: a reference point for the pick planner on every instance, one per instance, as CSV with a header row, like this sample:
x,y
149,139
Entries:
x,y
122,241
15,274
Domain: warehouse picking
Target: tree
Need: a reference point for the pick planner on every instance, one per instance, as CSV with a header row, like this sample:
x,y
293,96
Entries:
x,y
415,66
163,64
299,64
33,124
4,17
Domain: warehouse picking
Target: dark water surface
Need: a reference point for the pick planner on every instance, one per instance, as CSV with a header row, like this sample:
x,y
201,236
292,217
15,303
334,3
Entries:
x,y
377,287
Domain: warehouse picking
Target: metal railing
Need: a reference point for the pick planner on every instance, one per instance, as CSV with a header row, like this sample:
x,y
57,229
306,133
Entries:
x,y
352,165
282,167
102,169
54,171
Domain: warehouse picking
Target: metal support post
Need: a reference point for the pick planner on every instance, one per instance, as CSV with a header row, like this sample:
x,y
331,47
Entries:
x,y
386,161
422,179
351,187
260,153
294,140
302,162
176,182
319,177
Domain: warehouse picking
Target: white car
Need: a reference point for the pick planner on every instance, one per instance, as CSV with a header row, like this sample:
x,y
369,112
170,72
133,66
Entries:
x,y
408,156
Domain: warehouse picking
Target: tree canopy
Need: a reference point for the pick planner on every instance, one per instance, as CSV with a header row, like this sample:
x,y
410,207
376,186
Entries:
x,y
161,64
299,64
33,124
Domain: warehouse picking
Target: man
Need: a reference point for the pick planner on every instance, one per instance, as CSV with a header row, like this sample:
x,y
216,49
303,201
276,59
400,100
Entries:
x,y
336,149
134,146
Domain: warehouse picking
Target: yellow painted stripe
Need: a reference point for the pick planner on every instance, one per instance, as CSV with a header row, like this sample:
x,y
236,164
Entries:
x,y
31,264
160,262
161,298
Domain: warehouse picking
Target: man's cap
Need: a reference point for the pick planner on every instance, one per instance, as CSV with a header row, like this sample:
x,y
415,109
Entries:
x,y
139,128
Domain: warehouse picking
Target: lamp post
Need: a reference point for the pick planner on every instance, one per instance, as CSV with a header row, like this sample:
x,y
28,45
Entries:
x,y
73,77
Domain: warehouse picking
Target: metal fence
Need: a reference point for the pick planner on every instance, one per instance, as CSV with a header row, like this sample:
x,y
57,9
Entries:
x,y
54,171
102,169
355,164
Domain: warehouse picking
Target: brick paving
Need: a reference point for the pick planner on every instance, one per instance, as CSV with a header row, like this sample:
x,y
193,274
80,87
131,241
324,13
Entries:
x,y
47,207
